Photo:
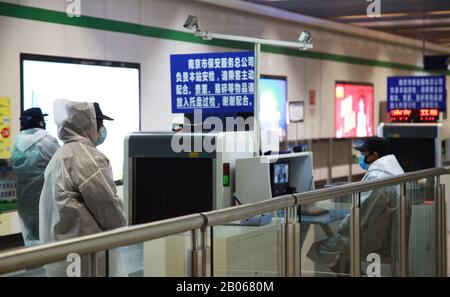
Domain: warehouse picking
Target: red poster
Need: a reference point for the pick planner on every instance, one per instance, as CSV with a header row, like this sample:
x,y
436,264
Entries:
x,y
353,115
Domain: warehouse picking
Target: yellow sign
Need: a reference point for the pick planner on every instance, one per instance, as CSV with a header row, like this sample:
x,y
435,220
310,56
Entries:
x,y
5,128
5,224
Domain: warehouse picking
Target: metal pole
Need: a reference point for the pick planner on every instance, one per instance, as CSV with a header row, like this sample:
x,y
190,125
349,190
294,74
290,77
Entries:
x,y
330,160
350,167
402,231
288,243
257,126
107,262
355,248
443,231
93,264
291,44
439,239
297,244
204,252
196,270
445,239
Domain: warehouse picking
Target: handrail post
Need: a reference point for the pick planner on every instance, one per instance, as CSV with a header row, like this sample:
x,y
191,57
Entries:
x,y
93,264
287,260
440,229
297,243
291,244
355,248
206,271
196,258
107,262
445,230
402,232
200,253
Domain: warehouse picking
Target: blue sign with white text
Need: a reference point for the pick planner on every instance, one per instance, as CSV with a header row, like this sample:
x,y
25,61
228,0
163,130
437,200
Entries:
x,y
417,92
213,82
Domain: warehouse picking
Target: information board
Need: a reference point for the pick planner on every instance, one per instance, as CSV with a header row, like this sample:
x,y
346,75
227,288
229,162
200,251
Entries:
x,y
213,82
416,92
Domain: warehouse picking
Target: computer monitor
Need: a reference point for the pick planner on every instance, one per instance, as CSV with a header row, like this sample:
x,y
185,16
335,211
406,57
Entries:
x,y
279,173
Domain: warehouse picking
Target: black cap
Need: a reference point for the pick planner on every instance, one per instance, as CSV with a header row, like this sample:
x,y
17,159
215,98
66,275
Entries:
x,y
375,144
99,114
31,113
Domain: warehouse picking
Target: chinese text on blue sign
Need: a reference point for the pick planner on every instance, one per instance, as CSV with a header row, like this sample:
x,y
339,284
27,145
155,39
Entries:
x,y
416,92
214,83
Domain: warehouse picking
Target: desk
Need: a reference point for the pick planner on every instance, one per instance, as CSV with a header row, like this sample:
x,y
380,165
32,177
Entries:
x,y
324,220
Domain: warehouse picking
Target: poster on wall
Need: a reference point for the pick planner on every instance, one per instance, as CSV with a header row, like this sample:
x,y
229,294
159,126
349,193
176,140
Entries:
x,y
7,176
213,82
5,128
354,105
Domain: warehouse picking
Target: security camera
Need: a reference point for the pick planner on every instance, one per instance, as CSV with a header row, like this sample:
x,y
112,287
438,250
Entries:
x,y
305,40
305,37
191,22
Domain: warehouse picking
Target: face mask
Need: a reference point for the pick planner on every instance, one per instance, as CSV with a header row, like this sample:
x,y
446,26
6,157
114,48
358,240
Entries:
x,y
362,163
102,136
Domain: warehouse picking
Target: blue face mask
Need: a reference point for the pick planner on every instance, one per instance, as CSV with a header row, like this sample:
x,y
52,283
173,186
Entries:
x,y
102,136
362,163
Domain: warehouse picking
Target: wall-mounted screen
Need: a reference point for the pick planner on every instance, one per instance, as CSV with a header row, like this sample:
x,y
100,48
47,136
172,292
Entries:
x,y
273,96
114,85
353,113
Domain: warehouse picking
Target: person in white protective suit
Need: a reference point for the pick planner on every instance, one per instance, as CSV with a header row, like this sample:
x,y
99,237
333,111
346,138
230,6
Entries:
x,y
32,150
79,196
377,211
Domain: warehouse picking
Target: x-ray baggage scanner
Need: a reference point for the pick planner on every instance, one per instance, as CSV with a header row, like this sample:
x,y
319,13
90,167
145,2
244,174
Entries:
x,y
417,146
161,182
265,177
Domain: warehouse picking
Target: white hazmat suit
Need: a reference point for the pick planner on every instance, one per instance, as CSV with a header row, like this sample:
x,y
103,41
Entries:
x,y
79,195
377,208
32,151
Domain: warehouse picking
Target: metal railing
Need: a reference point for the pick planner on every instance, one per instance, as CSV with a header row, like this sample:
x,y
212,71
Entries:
x,y
198,224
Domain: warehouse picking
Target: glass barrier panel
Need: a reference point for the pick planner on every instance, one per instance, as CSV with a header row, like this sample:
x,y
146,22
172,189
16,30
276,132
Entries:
x,y
421,228
248,248
164,257
379,218
324,238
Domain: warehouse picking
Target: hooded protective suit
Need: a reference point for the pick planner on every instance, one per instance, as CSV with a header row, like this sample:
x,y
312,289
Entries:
x,y
377,208
79,195
32,151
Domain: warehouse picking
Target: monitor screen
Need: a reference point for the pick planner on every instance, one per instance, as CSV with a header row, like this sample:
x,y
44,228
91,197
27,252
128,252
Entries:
x,y
273,96
281,173
114,85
